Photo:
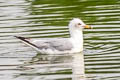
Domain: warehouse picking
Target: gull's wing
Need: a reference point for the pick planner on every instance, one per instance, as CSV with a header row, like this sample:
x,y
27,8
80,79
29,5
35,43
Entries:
x,y
60,44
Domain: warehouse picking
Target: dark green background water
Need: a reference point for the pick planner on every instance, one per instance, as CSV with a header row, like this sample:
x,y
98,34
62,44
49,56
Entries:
x,y
49,18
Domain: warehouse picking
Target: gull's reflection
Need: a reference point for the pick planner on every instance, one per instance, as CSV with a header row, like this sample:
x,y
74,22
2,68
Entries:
x,y
70,66
78,68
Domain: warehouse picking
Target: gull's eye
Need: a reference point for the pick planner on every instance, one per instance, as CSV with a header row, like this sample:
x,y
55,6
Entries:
x,y
79,24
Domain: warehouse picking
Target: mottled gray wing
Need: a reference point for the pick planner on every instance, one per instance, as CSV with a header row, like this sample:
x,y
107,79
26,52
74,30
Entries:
x,y
58,44
61,44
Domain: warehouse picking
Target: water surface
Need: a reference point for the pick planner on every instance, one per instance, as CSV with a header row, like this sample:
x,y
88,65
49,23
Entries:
x,y
48,19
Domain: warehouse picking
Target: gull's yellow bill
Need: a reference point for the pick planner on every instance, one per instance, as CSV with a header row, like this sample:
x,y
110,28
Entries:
x,y
87,27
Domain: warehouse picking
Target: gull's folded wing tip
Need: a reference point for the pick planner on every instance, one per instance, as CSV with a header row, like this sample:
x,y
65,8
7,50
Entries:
x,y
19,37
28,42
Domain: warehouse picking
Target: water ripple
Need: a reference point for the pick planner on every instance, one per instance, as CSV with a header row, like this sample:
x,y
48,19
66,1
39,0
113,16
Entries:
x,y
39,19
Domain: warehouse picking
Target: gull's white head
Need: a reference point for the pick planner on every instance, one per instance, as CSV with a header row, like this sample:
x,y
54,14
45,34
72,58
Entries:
x,y
77,23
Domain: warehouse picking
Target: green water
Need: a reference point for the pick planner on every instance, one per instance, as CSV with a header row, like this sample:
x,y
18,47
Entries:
x,y
49,18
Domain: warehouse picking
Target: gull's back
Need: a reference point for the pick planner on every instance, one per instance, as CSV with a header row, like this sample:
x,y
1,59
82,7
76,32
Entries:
x,y
53,45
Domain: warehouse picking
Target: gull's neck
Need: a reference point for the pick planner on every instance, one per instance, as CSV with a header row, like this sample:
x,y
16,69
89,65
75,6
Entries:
x,y
76,37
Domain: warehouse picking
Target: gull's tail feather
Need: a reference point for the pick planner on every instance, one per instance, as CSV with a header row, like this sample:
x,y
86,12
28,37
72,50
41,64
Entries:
x,y
27,42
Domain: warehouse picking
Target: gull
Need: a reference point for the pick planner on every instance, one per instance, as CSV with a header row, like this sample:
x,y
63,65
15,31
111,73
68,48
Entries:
x,y
73,44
